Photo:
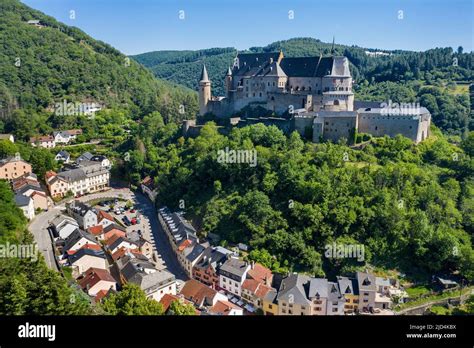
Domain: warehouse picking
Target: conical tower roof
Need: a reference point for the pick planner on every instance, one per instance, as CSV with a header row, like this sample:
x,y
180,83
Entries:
x,y
229,72
204,76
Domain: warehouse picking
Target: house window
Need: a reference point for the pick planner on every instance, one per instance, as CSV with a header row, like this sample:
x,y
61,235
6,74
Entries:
x,y
270,306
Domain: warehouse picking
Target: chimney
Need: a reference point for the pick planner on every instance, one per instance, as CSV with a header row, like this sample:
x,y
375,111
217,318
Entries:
x,y
253,264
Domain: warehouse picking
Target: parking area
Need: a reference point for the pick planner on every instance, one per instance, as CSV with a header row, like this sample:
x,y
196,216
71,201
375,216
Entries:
x,y
131,215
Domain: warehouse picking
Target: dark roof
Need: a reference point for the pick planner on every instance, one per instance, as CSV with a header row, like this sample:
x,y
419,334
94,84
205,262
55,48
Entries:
x,y
294,285
114,226
307,66
195,251
211,256
204,76
21,200
234,267
86,252
256,60
348,286
75,236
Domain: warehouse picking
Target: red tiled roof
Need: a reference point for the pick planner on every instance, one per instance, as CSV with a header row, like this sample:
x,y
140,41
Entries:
x,y
250,285
113,238
74,131
122,251
41,138
50,174
112,233
89,246
197,292
104,215
38,193
260,273
100,295
96,230
184,244
93,276
223,307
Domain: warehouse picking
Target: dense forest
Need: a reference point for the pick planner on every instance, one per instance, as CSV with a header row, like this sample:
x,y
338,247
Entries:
x,y
43,66
411,206
404,76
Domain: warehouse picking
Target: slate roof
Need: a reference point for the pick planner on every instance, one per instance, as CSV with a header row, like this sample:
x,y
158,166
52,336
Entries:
x,y
22,201
193,252
86,252
366,281
235,267
204,75
211,257
318,287
294,285
75,236
348,286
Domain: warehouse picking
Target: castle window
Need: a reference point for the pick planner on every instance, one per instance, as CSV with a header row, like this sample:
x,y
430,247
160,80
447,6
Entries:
x,y
254,94
260,94
297,88
273,84
336,102
303,88
268,84
273,98
309,88
376,127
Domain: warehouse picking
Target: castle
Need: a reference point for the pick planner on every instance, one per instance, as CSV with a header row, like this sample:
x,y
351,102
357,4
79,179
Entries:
x,y
312,95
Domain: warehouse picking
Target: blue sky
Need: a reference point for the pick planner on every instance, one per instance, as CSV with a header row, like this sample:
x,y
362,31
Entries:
x,y
137,26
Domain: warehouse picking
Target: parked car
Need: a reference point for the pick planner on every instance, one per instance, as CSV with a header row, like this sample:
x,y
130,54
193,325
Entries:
x,y
126,220
134,221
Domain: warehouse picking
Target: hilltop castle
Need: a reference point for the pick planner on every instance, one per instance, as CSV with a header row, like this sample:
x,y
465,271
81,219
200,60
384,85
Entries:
x,y
312,94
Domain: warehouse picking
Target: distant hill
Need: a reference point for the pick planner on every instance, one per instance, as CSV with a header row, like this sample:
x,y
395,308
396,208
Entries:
x,y
43,65
184,67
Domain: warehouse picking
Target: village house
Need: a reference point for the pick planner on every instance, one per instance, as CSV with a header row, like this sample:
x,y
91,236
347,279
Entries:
x,y
26,205
113,230
83,213
95,280
63,226
367,291
45,141
291,298
270,303
85,258
155,283
206,268
349,288
63,156
64,137
225,308
77,239
201,295
13,167
232,274
104,218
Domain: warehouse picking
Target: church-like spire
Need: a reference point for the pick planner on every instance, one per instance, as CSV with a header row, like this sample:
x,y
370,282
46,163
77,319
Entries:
x,y
229,72
332,48
204,76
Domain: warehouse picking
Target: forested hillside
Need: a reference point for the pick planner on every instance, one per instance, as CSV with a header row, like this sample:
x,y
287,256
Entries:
x,y
42,66
412,206
440,72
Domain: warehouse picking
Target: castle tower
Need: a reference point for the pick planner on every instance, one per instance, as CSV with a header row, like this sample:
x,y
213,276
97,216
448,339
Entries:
x,y
204,91
228,81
